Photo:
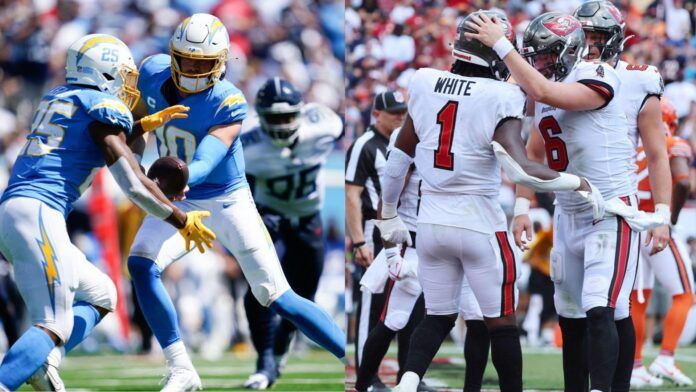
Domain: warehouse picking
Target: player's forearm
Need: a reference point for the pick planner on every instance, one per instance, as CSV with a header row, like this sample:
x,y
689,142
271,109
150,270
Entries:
x,y
393,181
660,178
354,223
524,192
209,154
136,134
679,197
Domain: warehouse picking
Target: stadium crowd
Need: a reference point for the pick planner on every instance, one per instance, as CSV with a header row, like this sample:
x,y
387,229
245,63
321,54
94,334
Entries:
x,y
388,40
301,41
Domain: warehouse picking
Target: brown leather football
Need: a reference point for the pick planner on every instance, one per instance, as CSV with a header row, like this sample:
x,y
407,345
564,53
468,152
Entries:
x,y
170,174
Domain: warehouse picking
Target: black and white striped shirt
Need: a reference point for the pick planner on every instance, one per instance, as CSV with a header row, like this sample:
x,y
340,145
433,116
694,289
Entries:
x,y
365,162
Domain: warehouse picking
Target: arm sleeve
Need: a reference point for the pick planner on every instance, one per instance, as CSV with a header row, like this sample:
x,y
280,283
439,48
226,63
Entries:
x,y
208,155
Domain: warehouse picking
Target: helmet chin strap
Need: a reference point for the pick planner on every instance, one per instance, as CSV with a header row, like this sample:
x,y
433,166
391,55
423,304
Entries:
x,y
192,84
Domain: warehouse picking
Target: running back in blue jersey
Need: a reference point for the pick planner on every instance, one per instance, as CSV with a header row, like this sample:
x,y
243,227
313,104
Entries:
x,y
60,158
222,104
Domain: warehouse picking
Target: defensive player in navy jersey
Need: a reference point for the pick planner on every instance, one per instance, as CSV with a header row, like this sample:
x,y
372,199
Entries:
x,y
77,129
284,150
207,141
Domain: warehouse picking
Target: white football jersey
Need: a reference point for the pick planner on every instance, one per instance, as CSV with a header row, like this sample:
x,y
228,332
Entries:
x,y
288,180
592,143
455,118
410,197
638,82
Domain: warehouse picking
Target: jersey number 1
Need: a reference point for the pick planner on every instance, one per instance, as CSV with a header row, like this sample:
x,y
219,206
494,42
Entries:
x,y
556,152
446,119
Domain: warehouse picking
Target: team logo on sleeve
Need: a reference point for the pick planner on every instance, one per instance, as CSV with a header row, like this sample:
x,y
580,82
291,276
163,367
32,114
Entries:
x,y
111,104
600,71
230,101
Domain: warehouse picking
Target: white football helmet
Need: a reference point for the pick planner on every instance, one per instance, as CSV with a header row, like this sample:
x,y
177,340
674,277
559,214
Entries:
x,y
199,37
105,62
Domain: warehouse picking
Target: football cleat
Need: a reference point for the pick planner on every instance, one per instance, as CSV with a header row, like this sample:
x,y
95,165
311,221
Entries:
x,y
258,381
641,378
181,379
664,367
46,378
378,387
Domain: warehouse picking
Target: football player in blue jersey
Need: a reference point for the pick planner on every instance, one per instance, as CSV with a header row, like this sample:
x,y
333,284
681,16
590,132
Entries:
x,y
207,141
77,129
284,151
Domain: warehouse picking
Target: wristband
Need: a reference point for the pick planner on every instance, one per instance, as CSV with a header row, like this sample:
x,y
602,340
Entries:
x,y
662,210
521,206
357,245
502,47
388,210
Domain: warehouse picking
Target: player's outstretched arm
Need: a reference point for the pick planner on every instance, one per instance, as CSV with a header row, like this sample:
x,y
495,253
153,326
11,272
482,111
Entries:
x,y
510,150
568,96
211,151
143,191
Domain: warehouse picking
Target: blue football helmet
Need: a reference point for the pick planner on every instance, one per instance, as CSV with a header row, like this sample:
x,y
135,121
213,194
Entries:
x,y
279,105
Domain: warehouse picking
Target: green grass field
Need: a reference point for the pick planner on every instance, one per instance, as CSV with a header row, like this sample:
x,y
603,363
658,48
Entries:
x,y
317,371
543,369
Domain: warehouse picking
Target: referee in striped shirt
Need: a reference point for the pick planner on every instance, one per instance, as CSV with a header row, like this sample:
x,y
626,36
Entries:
x,y
365,161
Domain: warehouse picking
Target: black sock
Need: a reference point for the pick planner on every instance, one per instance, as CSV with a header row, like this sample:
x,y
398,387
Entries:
x,y
506,354
627,350
376,346
575,368
475,354
426,341
404,335
603,347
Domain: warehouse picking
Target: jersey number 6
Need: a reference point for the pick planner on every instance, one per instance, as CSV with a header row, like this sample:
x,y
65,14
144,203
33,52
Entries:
x,y
556,152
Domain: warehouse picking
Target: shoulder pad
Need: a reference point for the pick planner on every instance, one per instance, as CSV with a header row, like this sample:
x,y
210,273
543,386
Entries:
x,y
106,109
323,119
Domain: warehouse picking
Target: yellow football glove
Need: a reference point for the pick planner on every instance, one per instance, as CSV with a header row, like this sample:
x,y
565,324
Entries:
x,y
158,119
194,230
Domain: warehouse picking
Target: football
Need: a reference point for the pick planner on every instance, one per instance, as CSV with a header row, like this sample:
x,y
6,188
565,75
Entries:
x,y
170,174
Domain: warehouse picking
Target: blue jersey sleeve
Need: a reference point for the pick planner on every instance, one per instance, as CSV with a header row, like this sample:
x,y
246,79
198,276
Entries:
x,y
149,67
107,109
231,109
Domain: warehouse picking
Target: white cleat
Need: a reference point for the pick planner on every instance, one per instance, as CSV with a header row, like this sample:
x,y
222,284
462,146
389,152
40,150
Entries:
x,y
181,379
409,383
641,378
257,381
665,368
47,378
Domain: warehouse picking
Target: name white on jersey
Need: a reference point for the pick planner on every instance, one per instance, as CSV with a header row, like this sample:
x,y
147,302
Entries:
x,y
593,143
455,118
638,82
289,180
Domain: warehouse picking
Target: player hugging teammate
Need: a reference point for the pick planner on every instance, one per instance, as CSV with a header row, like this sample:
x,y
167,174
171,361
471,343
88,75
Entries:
x,y
589,110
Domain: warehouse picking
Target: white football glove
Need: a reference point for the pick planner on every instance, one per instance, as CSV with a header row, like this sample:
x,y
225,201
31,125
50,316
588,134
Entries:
x,y
636,219
394,230
595,198
397,266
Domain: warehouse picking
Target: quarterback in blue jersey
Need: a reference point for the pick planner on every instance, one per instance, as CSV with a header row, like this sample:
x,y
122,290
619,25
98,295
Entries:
x,y
207,140
77,129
